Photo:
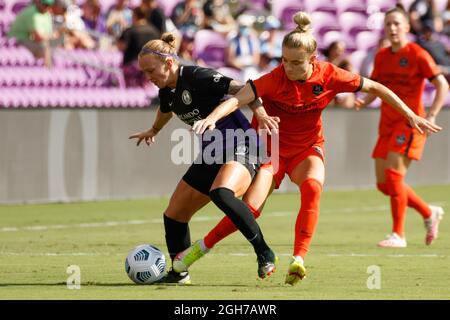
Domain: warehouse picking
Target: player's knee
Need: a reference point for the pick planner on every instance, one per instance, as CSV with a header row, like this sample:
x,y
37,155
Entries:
x,y
311,188
256,212
221,196
394,182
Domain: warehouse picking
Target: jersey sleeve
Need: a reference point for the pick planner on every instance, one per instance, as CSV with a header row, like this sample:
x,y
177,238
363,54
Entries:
x,y
264,85
164,106
211,82
344,81
427,65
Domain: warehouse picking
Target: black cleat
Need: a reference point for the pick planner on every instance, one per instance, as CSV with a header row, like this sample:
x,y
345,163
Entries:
x,y
266,263
173,277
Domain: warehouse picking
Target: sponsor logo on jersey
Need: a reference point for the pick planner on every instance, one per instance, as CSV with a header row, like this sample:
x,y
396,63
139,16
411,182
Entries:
x,y
318,150
317,89
403,62
400,139
216,77
189,115
186,97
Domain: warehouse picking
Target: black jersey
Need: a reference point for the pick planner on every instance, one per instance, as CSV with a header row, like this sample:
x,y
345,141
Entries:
x,y
198,92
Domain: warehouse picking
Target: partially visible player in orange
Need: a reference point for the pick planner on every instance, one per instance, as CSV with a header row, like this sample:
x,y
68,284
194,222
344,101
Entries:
x,y
296,93
403,67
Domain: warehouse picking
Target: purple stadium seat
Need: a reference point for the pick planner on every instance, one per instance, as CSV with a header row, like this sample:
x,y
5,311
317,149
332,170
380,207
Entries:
x,y
356,59
330,37
279,6
353,22
19,6
380,5
323,22
210,47
287,14
376,21
366,40
323,6
350,6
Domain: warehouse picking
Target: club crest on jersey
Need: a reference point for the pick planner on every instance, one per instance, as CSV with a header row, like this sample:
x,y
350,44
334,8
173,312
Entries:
x,y
241,150
317,89
403,62
318,150
400,139
186,97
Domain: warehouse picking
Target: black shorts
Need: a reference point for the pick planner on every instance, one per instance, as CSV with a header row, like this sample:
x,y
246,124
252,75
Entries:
x,y
201,176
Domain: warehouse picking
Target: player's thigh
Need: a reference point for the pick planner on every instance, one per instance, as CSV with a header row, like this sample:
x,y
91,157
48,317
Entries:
x,y
185,201
397,161
261,187
234,176
310,168
380,166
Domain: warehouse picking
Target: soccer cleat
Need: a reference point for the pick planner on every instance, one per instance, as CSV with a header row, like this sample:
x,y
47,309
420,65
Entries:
x,y
266,263
186,258
172,277
432,223
393,240
296,272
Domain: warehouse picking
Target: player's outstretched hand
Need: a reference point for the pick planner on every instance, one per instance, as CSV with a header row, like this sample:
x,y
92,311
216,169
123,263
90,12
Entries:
x,y
422,124
268,124
148,136
359,104
200,126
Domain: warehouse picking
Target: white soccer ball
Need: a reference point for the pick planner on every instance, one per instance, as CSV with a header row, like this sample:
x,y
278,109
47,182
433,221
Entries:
x,y
145,264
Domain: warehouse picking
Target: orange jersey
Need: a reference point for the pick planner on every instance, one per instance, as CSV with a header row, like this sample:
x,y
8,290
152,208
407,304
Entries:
x,y
299,104
404,72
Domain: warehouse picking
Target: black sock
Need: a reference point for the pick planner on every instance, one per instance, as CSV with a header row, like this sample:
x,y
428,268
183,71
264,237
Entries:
x,y
240,215
178,237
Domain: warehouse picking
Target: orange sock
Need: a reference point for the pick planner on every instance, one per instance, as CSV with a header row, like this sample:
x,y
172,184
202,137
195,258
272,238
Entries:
x,y
399,199
223,229
308,216
414,201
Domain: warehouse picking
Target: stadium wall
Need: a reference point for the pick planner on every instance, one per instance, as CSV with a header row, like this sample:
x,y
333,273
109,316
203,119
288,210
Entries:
x,y
71,155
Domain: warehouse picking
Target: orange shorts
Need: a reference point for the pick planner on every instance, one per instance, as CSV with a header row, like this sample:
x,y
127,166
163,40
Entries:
x,y
288,164
404,140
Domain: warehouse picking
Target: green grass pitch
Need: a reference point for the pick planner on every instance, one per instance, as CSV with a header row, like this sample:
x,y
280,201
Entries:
x,y
39,242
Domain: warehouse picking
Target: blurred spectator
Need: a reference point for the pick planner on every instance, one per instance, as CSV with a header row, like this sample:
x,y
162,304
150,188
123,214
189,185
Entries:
x,y
33,29
427,40
424,11
335,52
271,43
218,16
367,62
70,31
155,15
131,42
118,18
244,52
188,16
185,53
92,16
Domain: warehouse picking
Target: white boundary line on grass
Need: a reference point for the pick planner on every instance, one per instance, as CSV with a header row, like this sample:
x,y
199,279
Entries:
x,y
198,219
237,254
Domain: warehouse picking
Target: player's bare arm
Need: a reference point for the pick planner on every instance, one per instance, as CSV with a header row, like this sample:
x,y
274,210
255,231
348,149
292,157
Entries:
x,y
441,85
149,135
242,98
265,121
417,122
